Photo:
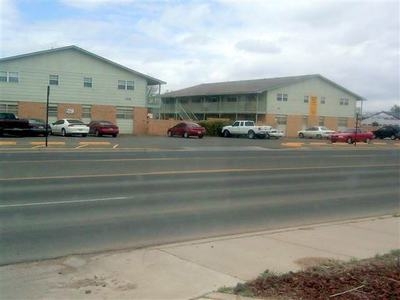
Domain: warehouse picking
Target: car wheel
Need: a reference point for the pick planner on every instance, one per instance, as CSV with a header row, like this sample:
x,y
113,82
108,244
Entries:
x,y
318,136
185,135
169,133
226,133
84,135
63,132
201,136
301,135
267,136
251,134
97,133
349,141
114,135
393,137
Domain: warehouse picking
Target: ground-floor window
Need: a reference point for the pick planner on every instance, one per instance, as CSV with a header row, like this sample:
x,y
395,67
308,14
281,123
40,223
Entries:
x,y
124,113
281,120
10,108
342,122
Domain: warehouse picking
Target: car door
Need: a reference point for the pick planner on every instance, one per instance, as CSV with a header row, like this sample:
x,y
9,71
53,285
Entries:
x,y
235,128
57,126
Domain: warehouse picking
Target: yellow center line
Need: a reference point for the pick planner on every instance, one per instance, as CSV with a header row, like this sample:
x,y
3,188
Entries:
x,y
201,171
290,144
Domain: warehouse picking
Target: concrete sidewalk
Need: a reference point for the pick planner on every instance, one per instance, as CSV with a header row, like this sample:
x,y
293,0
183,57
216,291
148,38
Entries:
x,y
195,269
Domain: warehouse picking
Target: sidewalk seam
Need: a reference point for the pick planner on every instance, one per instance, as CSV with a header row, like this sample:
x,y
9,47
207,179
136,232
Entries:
x,y
200,265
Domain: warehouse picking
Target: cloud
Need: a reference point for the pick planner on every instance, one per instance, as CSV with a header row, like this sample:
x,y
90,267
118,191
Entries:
x,y
189,42
258,46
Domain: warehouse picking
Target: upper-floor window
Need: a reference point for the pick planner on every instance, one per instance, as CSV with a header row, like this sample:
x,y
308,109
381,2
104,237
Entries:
x,y
323,100
9,76
87,82
281,97
231,99
344,101
126,85
306,99
53,79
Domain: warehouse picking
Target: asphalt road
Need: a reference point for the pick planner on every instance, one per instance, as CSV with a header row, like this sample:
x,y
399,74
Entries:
x,y
59,203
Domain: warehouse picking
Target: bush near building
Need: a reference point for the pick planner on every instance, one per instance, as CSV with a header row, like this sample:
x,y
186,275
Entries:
x,y
214,126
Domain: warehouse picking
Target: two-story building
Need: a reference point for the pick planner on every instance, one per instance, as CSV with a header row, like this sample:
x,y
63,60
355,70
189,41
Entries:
x,y
289,103
82,84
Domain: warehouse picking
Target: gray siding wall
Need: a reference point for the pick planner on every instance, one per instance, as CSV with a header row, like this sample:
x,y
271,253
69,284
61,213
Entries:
x,y
312,87
71,66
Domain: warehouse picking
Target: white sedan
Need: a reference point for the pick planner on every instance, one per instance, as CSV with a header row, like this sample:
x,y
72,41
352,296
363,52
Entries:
x,y
318,132
275,133
66,127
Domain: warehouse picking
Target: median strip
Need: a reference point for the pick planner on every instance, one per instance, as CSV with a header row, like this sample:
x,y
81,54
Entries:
x,y
48,143
8,143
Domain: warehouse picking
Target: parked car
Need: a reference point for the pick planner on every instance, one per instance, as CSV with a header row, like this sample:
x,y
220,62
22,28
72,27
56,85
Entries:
x,y
187,129
38,127
351,135
10,124
392,132
317,132
99,128
69,127
274,133
245,128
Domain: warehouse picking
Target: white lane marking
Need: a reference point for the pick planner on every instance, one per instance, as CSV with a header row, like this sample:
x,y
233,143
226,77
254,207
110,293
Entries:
x,y
200,171
81,146
61,202
115,146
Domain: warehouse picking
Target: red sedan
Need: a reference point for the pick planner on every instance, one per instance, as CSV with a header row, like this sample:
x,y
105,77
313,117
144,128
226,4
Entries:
x,y
352,135
187,129
99,128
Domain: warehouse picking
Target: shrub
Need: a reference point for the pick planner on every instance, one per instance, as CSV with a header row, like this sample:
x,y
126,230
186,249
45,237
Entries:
x,y
214,127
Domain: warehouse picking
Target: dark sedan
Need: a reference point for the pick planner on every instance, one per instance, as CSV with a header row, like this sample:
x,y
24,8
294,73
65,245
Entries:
x,y
100,128
392,132
187,129
37,127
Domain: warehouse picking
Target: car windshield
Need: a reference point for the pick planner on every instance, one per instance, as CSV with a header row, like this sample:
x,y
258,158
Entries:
x,y
75,121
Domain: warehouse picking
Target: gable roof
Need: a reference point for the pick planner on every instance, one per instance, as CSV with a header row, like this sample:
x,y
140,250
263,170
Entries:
x,y
255,86
150,80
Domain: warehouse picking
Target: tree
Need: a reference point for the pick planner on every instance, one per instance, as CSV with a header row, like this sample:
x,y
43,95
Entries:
x,y
395,110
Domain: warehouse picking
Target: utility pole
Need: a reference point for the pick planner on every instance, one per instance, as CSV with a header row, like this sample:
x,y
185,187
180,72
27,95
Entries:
x,y
47,114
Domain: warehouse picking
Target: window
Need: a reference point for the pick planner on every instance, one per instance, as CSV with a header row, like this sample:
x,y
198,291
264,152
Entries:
x,y
86,111
281,97
212,99
87,82
126,85
53,111
9,76
9,108
322,100
281,120
53,79
124,113
231,99
344,101
321,121
129,85
342,122
306,99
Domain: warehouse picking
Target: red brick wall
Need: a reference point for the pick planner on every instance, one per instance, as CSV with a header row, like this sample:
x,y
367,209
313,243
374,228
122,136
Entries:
x,y
160,127
104,112
32,110
140,120
62,111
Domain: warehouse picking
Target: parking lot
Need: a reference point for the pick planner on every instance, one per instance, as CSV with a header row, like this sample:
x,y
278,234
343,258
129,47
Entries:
x,y
154,143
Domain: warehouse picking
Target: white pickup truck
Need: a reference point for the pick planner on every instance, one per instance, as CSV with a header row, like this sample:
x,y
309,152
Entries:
x,y
247,128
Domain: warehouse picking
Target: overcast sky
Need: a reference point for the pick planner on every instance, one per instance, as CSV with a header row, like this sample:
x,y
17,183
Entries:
x,y
183,42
